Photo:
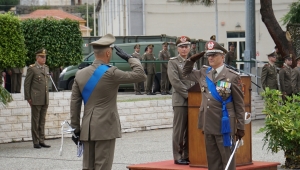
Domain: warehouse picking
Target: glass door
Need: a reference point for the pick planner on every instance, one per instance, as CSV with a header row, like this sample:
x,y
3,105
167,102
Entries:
x,y
239,48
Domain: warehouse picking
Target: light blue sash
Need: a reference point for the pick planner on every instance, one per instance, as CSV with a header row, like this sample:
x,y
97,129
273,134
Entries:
x,y
92,82
225,128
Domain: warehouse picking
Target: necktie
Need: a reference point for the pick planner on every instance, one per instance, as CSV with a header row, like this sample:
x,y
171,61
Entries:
x,y
214,75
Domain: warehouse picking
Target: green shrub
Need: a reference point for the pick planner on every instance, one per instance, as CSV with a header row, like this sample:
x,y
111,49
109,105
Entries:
x,y
12,46
282,125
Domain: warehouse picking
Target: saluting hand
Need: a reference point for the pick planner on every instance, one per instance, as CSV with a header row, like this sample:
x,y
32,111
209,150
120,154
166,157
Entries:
x,y
122,54
196,57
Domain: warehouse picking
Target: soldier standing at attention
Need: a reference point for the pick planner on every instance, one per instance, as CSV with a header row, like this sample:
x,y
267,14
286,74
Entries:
x,y
37,95
16,79
193,49
136,54
296,77
149,68
230,56
222,108
279,60
269,73
97,86
285,79
180,101
164,55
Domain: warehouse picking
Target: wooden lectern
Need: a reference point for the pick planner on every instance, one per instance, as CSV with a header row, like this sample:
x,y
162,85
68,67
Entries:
x,y
197,152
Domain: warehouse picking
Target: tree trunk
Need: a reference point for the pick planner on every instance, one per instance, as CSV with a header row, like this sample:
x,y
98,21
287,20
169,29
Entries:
x,y
285,47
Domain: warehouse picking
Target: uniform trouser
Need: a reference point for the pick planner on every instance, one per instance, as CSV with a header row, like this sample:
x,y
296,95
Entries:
x,y
218,155
138,86
150,80
180,133
165,83
98,155
16,80
38,117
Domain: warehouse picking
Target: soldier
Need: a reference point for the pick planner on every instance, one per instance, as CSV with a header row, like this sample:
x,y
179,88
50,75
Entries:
x,y
230,57
180,101
279,61
164,55
296,77
16,79
37,95
149,68
97,86
269,73
285,80
222,108
193,49
137,86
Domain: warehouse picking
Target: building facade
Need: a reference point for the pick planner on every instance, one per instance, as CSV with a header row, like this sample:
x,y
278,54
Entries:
x,y
50,2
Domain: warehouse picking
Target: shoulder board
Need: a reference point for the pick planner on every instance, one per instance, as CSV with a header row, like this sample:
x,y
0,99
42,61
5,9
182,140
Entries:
x,y
46,65
267,65
32,65
160,51
234,72
172,58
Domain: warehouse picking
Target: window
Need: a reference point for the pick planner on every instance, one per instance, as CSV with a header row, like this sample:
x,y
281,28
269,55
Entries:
x,y
235,34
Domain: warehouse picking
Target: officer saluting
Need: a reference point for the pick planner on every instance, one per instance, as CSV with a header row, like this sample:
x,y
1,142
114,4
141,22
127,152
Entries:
x,y
97,86
37,95
220,87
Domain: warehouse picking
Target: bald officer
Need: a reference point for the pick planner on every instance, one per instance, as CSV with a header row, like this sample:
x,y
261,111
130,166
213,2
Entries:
x,y
180,101
269,73
164,55
222,108
97,86
37,95
137,86
149,68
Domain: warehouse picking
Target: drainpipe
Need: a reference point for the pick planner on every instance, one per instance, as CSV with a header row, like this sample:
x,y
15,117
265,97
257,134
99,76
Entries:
x,y
124,18
128,17
144,23
119,12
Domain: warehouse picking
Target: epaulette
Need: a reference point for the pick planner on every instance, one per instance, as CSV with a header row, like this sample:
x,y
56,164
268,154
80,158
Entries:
x,y
160,51
267,65
172,58
32,65
46,65
237,73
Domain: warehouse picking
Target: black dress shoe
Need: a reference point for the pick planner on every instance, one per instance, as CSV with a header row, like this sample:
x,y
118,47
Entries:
x,y
138,93
163,93
187,159
44,145
169,92
151,94
181,162
37,146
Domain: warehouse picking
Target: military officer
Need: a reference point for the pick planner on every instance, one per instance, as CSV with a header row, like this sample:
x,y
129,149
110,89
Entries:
x,y
296,77
230,57
137,86
149,68
97,86
279,60
37,95
180,101
164,55
16,79
269,73
221,88
285,79
193,49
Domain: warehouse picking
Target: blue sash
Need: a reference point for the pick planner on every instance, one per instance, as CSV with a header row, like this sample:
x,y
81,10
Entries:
x,y
92,82
225,128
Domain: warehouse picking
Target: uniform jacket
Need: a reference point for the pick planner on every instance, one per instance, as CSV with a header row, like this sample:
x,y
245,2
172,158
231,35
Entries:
x,y
269,77
100,119
296,80
229,58
36,85
285,79
16,70
179,84
211,109
137,55
150,67
164,55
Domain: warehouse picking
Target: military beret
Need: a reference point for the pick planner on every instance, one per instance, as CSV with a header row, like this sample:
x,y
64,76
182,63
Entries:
x,y
165,43
150,46
41,52
183,40
212,47
213,37
106,40
136,46
272,54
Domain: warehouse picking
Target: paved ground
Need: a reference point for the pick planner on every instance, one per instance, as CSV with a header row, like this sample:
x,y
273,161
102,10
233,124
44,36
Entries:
x,y
132,148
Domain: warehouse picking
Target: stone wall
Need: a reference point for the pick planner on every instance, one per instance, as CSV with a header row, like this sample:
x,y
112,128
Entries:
x,y
134,116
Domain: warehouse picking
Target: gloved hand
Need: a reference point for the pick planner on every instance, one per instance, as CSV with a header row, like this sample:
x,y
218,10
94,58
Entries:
x,y
239,134
146,71
75,140
122,54
196,57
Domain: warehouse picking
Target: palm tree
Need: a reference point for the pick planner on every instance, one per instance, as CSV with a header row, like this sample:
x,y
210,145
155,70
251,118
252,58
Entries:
x,y
5,97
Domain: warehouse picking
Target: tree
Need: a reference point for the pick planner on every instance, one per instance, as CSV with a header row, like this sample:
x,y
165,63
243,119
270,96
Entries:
x,y
5,5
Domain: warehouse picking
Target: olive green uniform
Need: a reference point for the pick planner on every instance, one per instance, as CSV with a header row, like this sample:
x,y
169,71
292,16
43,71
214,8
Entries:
x,y
269,76
150,71
164,55
296,80
16,79
285,80
138,86
230,58
36,90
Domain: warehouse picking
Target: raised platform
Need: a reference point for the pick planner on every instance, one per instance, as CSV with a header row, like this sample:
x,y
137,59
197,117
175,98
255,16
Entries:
x,y
169,165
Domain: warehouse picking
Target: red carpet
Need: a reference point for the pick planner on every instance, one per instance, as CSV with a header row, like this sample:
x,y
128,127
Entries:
x,y
169,165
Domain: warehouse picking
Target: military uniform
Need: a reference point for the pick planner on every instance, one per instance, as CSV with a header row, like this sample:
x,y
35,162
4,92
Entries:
x,y
227,82
100,122
269,76
150,70
285,80
137,86
229,58
296,80
36,91
16,79
164,55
